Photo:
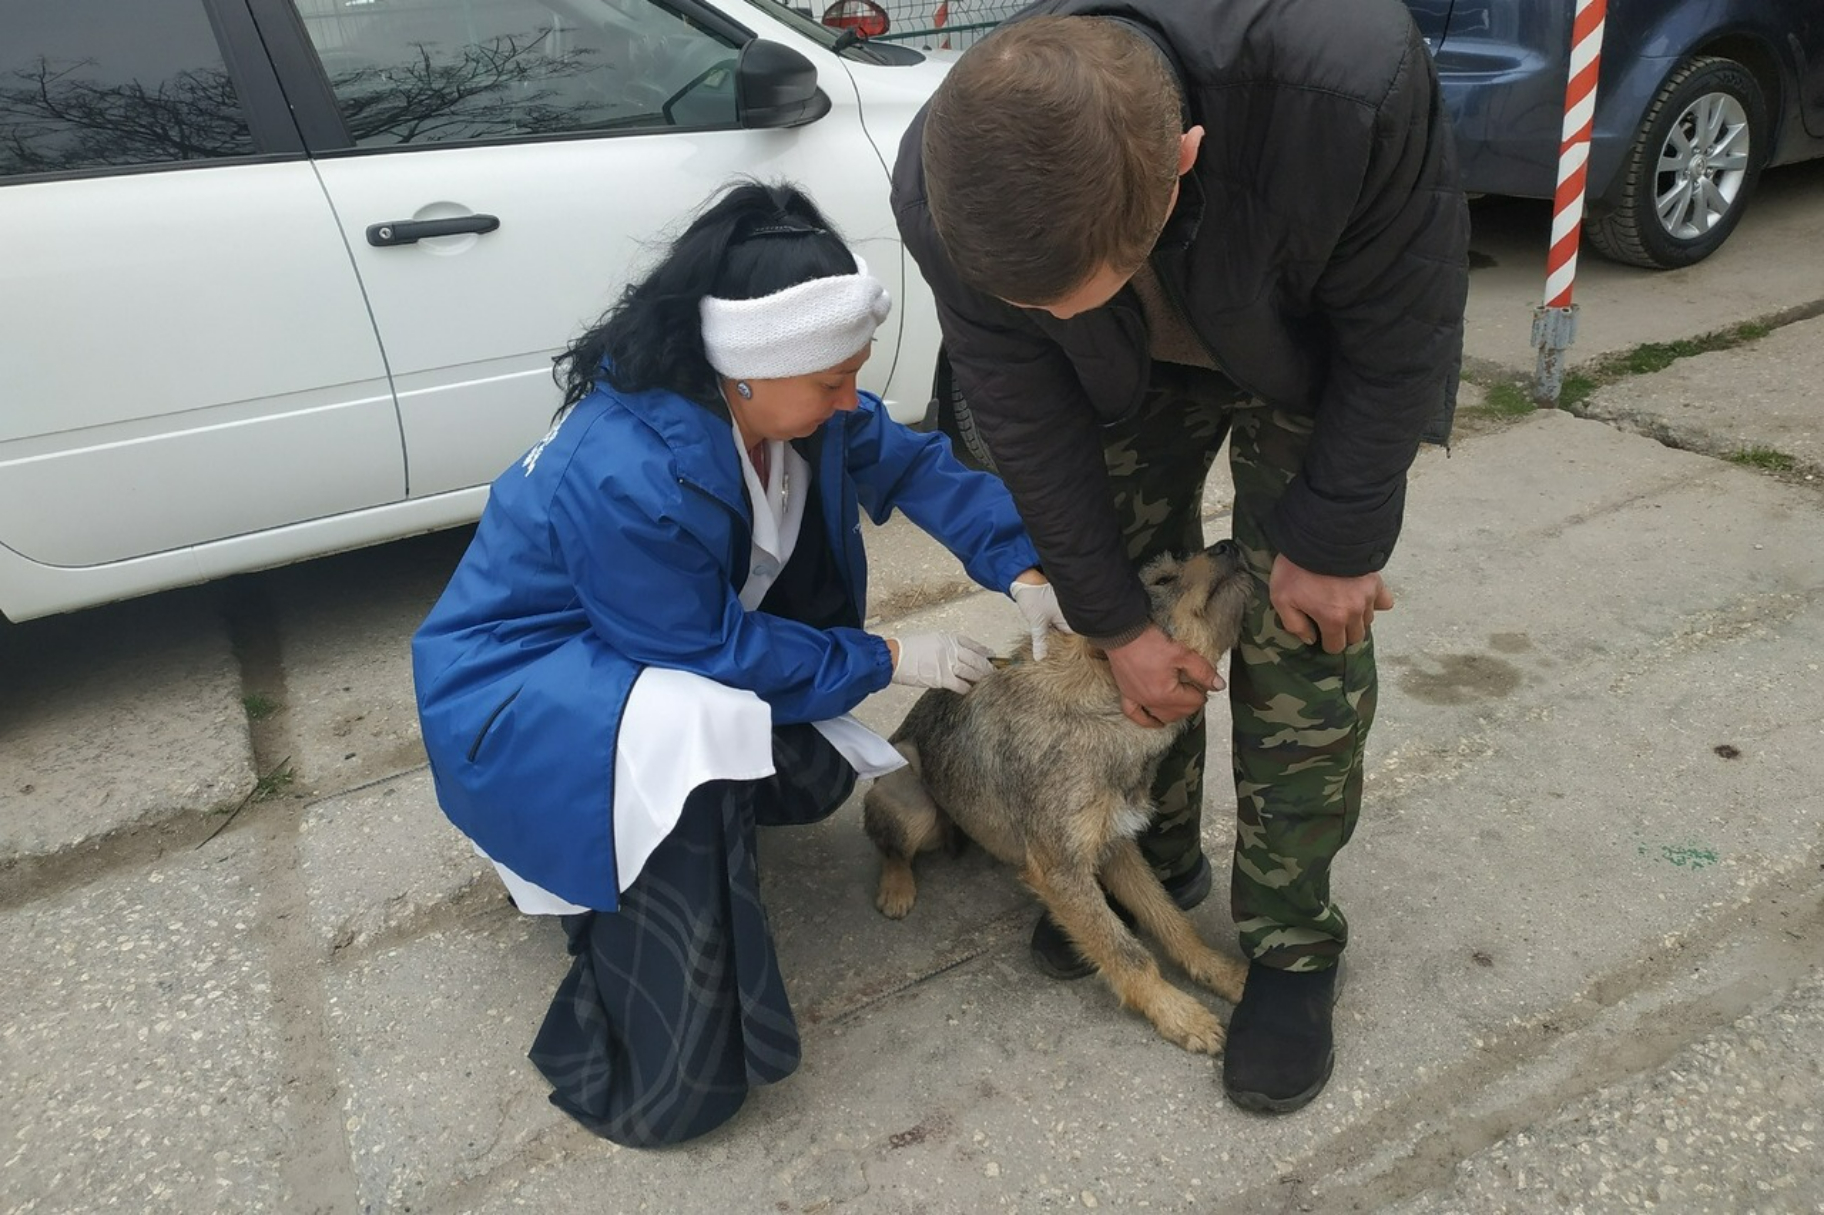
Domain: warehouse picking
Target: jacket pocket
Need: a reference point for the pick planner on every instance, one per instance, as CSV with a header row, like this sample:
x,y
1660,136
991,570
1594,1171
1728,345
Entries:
x,y
481,735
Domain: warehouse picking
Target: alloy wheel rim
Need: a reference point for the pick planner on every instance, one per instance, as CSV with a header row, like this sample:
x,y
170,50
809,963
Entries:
x,y
1702,166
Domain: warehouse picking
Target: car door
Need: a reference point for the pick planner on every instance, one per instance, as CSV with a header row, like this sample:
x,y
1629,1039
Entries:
x,y
1806,18
552,144
184,346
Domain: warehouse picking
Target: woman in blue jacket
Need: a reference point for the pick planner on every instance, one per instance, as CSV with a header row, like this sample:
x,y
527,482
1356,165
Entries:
x,y
655,638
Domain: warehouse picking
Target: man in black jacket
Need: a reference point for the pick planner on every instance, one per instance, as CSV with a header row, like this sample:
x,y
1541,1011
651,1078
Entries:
x,y
1153,225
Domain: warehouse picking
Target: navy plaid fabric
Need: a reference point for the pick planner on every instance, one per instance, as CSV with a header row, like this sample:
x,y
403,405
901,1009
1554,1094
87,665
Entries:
x,y
674,1008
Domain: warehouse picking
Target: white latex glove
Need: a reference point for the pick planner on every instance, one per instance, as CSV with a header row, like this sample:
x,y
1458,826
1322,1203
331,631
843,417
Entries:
x,y
940,660
1038,602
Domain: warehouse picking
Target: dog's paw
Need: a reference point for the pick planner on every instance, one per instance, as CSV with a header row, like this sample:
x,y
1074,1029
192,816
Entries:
x,y
1189,1024
1221,974
898,888
894,905
895,897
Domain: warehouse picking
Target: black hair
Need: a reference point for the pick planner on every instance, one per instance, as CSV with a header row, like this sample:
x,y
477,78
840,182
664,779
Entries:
x,y
750,239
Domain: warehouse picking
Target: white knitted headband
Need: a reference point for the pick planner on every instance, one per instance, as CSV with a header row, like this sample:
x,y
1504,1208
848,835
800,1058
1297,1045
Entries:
x,y
810,327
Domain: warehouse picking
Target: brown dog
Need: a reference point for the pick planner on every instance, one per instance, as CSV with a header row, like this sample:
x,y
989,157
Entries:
x,y
1038,764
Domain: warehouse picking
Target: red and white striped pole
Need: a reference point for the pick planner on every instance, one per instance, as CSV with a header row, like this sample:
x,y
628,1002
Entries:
x,y
1555,323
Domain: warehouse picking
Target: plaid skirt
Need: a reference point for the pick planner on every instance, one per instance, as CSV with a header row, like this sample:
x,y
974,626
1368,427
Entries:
x,y
673,1007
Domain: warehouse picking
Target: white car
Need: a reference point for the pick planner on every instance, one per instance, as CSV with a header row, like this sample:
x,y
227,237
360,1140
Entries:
x,y
285,277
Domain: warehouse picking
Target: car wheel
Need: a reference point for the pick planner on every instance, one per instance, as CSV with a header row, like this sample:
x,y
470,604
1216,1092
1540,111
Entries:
x,y
1687,179
956,419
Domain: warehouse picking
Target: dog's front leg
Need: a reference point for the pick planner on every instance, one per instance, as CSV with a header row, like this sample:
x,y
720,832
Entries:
x,y
1070,892
1132,881
902,820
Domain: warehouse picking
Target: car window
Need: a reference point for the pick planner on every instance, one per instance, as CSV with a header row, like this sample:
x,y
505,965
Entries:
x,y
793,13
442,71
95,84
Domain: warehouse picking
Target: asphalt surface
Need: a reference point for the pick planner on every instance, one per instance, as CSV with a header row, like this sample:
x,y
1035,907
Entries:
x,y
249,967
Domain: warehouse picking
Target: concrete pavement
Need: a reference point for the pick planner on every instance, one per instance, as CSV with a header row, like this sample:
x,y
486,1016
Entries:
x,y
1587,894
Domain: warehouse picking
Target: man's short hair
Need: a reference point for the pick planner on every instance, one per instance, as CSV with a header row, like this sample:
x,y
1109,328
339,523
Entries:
x,y
1050,150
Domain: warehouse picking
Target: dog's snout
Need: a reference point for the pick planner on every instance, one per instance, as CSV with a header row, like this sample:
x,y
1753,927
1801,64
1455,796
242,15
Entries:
x,y
1224,548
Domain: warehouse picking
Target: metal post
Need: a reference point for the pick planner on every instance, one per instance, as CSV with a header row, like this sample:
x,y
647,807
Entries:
x,y
1554,329
1555,323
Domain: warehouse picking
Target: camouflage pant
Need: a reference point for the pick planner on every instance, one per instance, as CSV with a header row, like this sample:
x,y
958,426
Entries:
x,y
1300,716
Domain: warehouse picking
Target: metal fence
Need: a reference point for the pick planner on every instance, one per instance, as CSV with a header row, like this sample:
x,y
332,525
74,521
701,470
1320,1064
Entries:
x,y
944,24
934,25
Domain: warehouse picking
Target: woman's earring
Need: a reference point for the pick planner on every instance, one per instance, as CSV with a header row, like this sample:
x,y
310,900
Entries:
x,y
746,391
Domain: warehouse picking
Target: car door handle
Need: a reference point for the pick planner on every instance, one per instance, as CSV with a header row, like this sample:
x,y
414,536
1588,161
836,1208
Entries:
x,y
409,231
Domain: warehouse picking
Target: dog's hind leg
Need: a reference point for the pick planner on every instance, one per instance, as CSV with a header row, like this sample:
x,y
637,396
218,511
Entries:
x,y
1134,884
1075,900
902,820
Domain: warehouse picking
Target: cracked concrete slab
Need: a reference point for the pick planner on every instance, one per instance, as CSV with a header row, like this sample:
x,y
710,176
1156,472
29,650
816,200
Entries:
x,y
380,860
1731,1124
1731,401
141,1064
430,1039
347,711
126,717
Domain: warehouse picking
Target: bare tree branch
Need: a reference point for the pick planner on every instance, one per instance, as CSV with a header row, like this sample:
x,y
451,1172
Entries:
x,y
54,120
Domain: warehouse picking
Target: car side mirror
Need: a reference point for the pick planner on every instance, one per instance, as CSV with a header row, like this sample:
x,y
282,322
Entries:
x,y
775,86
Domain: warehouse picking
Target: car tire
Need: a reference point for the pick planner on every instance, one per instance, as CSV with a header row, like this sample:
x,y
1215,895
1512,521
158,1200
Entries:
x,y
1678,200
957,420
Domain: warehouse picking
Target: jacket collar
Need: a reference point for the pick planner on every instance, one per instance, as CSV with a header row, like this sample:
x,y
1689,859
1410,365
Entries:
x,y
1154,35
1186,218
698,434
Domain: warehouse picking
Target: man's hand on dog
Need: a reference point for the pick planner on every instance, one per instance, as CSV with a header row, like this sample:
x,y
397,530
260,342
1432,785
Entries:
x,y
1321,607
1160,680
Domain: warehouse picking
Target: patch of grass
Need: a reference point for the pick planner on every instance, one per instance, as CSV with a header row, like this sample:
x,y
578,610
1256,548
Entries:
x,y
1649,357
259,707
1644,359
1507,399
264,788
1767,459
272,784
1654,356
1576,390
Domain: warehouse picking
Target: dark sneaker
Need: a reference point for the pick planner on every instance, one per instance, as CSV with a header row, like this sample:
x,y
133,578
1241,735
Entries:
x,y
1280,1051
1056,957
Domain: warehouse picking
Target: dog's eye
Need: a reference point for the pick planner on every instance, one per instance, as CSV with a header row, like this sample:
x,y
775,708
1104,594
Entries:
x,y
1165,579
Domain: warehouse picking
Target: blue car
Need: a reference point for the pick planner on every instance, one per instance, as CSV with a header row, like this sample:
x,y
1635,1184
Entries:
x,y
1695,98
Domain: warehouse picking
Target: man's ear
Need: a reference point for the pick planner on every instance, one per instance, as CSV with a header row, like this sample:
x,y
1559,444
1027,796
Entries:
x,y
1188,143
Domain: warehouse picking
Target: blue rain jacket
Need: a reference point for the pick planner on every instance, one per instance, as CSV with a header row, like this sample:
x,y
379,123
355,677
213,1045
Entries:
x,y
621,541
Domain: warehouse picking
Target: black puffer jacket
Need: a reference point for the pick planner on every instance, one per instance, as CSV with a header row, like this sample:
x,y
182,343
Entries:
x,y
1320,248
